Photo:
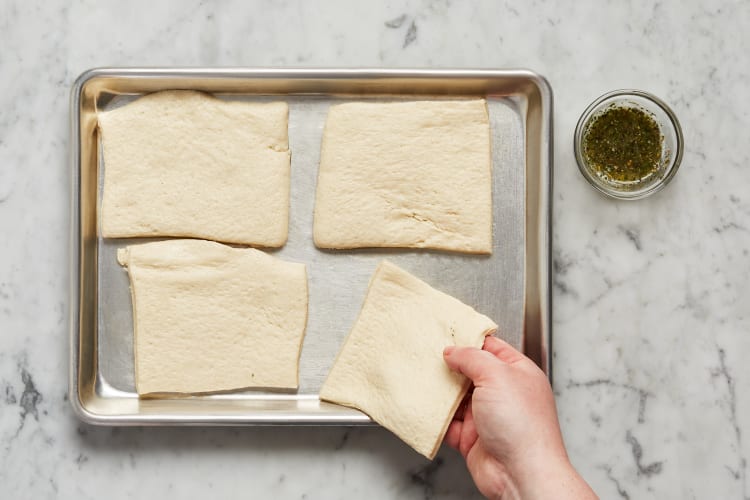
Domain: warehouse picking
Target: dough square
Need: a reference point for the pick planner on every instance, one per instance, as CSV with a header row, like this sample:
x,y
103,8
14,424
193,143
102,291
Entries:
x,y
391,364
414,174
209,317
183,163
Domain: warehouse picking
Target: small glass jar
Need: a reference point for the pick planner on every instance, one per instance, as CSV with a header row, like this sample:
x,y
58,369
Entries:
x,y
671,150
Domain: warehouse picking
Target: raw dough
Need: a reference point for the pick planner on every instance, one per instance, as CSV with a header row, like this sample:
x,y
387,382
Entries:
x,y
183,163
391,365
406,174
209,317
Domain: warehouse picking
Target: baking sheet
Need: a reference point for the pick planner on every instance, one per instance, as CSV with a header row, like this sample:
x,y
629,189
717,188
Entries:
x,y
102,384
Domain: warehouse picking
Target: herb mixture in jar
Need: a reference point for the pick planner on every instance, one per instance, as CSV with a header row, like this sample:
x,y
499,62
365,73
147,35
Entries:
x,y
623,144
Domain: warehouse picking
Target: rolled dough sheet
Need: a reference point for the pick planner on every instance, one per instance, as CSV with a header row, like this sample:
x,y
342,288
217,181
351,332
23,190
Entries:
x,y
209,317
391,365
183,163
406,174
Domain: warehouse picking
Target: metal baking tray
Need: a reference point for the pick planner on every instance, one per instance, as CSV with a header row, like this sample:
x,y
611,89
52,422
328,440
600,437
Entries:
x,y
512,285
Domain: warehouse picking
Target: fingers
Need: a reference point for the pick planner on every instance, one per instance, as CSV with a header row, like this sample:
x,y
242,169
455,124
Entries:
x,y
502,350
476,364
453,435
462,434
461,410
468,432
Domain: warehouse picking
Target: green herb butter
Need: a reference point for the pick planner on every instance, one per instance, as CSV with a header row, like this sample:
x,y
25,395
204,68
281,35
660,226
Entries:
x,y
623,144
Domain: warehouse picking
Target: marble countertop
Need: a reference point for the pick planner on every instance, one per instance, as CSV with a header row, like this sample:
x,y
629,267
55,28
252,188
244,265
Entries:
x,y
651,307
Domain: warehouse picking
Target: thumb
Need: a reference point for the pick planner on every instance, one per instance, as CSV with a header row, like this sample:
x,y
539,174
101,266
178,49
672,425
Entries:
x,y
475,363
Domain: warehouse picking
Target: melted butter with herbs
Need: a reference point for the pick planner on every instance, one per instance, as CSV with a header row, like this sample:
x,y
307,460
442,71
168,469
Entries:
x,y
623,144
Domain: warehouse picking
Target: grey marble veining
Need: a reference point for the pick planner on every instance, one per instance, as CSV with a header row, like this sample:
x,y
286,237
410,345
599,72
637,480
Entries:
x,y
651,308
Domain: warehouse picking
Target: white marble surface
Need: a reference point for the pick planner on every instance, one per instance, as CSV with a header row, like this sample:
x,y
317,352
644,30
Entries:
x,y
651,310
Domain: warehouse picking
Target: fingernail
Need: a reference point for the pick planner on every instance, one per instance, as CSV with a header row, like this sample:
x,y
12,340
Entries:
x,y
448,350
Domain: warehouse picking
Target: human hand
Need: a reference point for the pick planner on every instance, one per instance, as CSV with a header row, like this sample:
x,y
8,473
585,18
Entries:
x,y
507,429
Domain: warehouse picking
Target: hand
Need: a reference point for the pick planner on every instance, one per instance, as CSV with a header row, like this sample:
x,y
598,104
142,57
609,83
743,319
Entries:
x,y
507,429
